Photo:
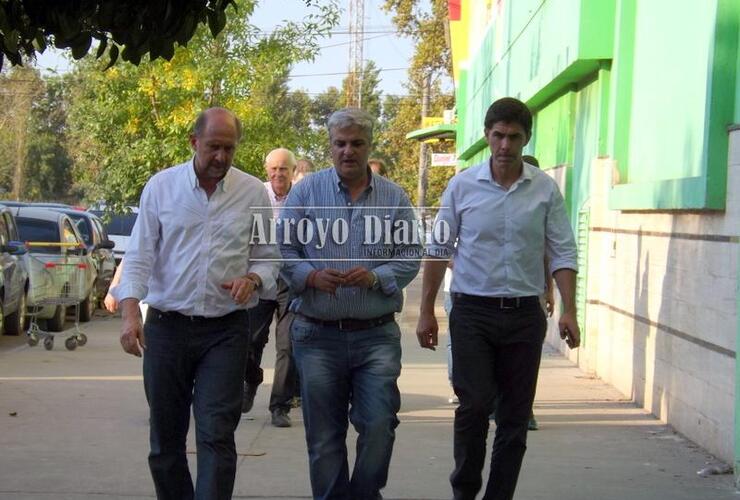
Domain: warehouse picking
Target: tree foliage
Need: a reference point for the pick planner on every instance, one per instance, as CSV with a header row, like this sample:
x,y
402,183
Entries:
x,y
132,29
431,60
131,121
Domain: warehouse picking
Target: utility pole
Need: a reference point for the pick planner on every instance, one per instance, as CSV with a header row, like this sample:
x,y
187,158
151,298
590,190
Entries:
x,y
423,153
356,57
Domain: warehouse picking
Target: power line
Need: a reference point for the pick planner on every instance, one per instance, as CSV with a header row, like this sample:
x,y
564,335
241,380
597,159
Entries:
x,y
342,73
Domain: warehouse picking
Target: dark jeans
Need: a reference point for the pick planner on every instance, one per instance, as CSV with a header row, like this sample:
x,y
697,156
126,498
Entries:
x,y
348,375
198,362
284,383
496,355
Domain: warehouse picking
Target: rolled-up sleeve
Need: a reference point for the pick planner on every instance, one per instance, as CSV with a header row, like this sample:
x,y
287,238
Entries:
x,y
140,251
295,270
560,243
446,227
400,271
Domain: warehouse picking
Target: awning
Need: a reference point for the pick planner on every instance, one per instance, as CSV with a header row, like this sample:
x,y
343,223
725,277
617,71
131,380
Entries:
x,y
442,131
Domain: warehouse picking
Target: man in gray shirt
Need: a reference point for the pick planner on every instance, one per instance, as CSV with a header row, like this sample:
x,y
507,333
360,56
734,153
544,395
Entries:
x,y
497,220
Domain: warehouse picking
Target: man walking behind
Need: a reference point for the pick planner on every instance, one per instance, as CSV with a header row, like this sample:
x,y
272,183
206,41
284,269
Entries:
x,y
280,165
190,255
353,246
498,219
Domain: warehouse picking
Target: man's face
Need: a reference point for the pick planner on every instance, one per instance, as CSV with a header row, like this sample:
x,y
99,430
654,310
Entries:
x,y
506,141
215,147
279,168
350,149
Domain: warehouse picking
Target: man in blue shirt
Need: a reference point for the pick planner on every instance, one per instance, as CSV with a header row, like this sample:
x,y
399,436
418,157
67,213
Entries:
x,y
497,220
350,244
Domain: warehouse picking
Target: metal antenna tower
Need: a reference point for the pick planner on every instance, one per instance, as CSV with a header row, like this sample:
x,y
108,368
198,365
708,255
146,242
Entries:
x,y
356,59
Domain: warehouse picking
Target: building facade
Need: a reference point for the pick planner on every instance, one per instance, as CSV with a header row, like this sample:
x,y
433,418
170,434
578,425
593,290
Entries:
x,y
635,107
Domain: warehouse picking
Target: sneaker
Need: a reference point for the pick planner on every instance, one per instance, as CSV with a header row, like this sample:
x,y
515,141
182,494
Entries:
x,y
280,418
248,397
453,400
533,425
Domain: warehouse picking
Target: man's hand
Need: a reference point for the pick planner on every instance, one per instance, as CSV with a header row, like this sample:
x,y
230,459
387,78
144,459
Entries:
x,y
327,280
110,303
426,331
132,330
241,288
358,276
549,302
569,330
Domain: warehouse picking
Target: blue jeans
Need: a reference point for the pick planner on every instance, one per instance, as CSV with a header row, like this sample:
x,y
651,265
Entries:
x,y
348,375
198,362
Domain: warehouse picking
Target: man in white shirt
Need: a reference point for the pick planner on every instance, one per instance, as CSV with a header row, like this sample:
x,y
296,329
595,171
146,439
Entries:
x,y
280,165
191,257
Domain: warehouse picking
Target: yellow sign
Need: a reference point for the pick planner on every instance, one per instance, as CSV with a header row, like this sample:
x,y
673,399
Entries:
x,y
431,121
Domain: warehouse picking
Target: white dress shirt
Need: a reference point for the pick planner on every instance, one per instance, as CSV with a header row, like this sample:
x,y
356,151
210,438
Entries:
x,y
498,237
184,246
276,201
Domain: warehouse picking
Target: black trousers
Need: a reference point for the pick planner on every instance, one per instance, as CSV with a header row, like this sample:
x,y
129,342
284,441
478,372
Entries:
x,y
496,357
285,383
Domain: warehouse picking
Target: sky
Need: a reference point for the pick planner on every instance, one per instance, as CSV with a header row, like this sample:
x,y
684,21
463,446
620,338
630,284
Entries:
x,y
382,45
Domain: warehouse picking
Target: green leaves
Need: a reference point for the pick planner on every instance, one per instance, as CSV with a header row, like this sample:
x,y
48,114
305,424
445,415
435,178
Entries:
x,y
140,28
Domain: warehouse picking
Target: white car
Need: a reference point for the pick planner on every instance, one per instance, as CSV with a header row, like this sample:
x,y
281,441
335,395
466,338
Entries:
x,y
61,273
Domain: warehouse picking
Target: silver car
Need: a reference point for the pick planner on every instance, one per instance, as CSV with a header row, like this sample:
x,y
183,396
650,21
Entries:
x,y
62,272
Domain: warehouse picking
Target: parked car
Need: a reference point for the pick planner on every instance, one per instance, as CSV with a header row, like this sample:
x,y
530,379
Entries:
x,y
99,247
13,277
55,271
119,227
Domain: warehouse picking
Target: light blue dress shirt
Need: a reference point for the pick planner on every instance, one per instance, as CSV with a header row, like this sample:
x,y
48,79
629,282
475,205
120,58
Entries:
x,y
498,237
320,199
185,245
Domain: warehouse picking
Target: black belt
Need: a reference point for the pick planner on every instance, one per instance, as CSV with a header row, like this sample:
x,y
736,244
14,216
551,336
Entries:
x,y
352,324
176,316
498,302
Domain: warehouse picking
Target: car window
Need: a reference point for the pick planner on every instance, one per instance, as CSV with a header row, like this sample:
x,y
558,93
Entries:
x,y
83,227
121,224
37,231
68,234
101,230
12,231
4,237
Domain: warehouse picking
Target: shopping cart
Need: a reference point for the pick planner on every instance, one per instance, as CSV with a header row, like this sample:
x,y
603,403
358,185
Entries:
x,y
55,280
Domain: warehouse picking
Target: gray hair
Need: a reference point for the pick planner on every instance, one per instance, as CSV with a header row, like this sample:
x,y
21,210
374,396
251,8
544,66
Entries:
x,y
349,117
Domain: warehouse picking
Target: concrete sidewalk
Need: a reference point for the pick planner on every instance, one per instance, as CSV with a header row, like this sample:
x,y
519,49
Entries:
x,y
74,426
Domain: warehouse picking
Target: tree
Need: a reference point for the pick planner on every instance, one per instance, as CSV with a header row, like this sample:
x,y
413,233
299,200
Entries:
x,y
132,28
129,122
431,62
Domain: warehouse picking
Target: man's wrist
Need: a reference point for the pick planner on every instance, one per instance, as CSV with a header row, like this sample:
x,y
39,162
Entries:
x,y
255,279
374,281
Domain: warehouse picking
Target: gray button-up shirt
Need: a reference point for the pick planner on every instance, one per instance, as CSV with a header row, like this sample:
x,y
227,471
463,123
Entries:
x,y
499,237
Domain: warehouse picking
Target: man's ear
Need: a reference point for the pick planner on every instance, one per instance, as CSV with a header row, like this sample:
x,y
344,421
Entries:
x,y
193,140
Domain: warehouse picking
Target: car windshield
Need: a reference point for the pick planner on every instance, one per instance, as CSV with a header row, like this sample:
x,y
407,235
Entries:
x,y
121,224
83,227
35,231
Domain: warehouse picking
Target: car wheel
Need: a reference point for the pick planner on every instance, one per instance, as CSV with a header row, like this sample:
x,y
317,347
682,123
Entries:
x,y
56,322
87,308
17,321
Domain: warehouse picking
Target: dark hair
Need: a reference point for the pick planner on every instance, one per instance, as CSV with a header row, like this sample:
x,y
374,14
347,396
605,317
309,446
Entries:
x,y
531,160
202,120
509,110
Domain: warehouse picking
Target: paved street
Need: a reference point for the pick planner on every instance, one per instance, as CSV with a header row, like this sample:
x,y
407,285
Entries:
x,y
74,426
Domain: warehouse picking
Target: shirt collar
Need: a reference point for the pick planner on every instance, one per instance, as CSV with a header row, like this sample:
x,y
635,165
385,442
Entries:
x,y
193,183
340,185
268,184
484,174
